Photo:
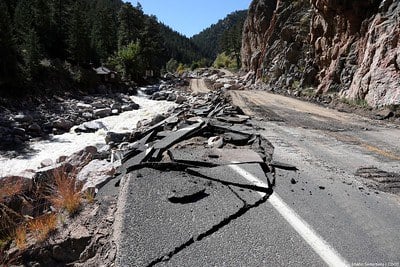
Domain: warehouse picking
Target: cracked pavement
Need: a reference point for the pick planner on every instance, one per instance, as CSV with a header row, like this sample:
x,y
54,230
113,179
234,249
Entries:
x,y
195,210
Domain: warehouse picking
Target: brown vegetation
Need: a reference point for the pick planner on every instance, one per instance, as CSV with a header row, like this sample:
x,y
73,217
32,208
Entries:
x,y
42,226
67,191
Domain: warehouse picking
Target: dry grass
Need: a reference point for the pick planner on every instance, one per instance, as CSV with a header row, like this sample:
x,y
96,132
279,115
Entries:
x,y
90,195
20,237
42,226
67,192
10,189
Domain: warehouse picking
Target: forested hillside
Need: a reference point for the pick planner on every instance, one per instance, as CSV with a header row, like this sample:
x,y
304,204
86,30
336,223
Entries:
x,y
53,45
225,35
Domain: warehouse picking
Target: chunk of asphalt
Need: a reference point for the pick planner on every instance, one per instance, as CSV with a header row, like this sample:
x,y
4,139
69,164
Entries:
x,y
139,146
187,195
177,136
236,138
263,147
283,166
136,160
226,127
233,119
216,110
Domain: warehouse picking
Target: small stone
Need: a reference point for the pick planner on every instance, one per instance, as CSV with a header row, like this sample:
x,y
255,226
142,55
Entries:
x,y
46,163
293,181
321,187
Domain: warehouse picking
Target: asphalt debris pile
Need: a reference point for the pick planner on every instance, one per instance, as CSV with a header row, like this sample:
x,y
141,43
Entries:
x,y
183,179
208,134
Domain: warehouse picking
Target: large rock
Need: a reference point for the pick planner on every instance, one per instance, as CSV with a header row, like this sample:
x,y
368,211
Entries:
x,y
63,124
102,112
90,127
96,173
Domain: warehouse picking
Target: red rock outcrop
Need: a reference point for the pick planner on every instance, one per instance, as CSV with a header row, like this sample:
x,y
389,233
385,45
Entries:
x,y
347,47
356,46
254,30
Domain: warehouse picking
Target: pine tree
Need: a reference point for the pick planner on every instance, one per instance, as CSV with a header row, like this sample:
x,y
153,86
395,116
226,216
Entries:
x,y
104,30
130,23
77,40
44,25
151,44
28,41
8,55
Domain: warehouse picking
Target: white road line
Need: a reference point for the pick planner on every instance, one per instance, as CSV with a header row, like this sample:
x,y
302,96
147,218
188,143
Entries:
x,y
317,243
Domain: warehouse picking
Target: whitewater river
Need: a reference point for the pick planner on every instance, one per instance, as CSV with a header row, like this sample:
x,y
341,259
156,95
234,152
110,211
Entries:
x,y
68,143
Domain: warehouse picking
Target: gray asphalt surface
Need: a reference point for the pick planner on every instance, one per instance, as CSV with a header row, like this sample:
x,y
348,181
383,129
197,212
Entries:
x,y
359,222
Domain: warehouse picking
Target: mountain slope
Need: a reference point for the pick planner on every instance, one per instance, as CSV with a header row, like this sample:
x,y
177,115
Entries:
x,y
209,40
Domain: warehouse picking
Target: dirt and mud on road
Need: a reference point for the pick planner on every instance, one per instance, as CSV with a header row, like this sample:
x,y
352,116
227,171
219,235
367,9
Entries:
x,y
343,140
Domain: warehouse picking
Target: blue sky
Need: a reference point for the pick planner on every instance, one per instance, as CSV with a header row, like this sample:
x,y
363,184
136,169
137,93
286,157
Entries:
x,y
189,17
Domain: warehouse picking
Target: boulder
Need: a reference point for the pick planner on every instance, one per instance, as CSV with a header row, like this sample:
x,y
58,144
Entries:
x,y
83,106
171,97
96,174
63,124
98,105
130,106
18,131
34,128
90,127
102,112
180,99
116,137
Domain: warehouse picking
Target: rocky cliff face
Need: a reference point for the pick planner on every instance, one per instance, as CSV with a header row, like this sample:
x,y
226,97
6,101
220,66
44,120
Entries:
x,y
347,47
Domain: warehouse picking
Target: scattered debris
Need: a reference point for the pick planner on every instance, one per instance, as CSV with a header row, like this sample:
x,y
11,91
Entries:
x,y
380,180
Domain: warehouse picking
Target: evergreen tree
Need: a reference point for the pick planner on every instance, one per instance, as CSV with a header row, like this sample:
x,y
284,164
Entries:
x,y
151,44
8,55
77,40
60,17
231,41
28,40
104,30
171,65
130,24
44,26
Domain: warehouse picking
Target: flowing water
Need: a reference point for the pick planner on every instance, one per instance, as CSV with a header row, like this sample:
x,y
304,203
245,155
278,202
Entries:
x,y
68,143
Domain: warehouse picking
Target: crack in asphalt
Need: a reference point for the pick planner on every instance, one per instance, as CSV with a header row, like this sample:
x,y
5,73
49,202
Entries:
x,y
215,228
237,195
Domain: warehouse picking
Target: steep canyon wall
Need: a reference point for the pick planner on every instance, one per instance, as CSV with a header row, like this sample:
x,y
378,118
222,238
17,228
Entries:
x,y
348,47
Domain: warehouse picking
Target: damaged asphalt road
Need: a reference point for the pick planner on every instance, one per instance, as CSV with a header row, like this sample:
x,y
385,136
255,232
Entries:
x,y
179,188
211,187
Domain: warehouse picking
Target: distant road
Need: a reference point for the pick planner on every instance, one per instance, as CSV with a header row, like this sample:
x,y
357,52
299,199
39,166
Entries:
x,y
198,86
